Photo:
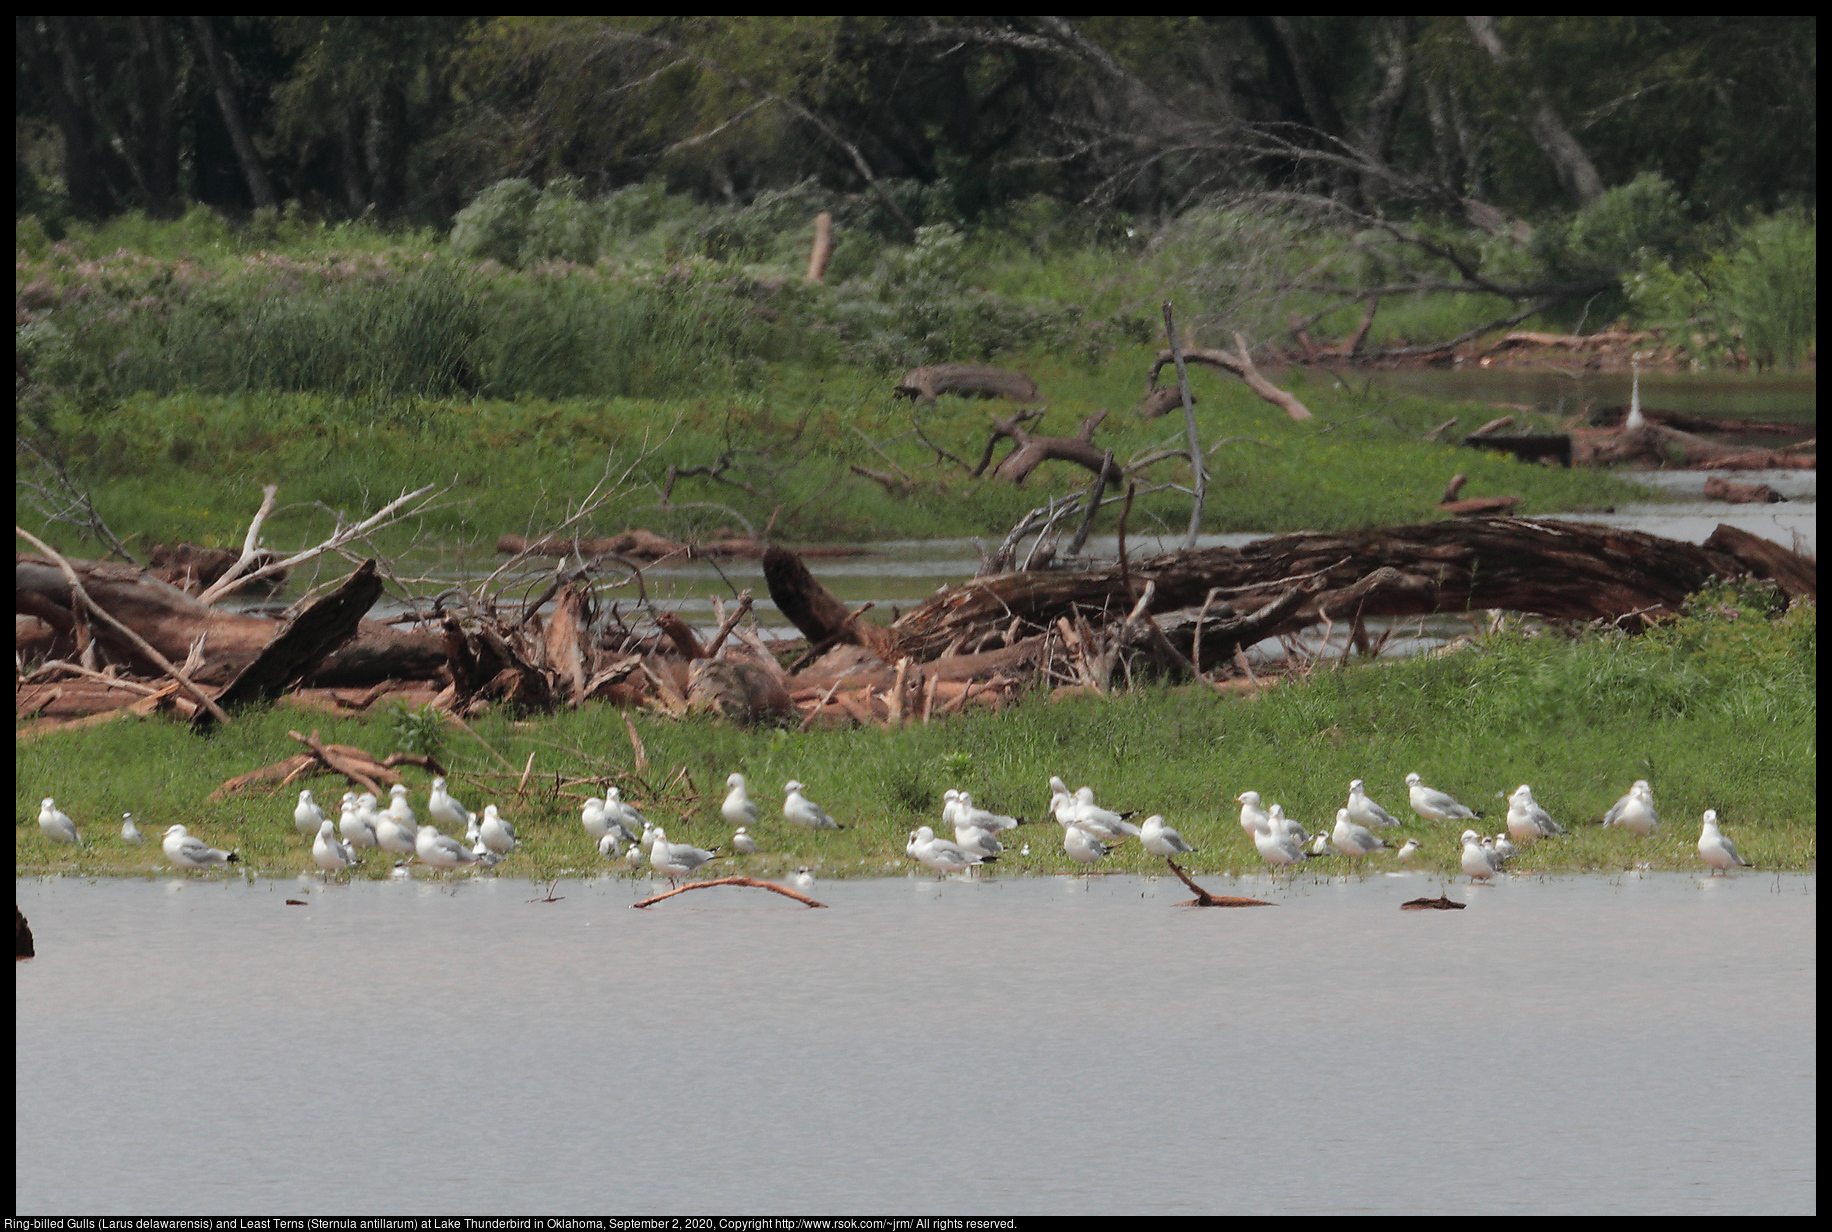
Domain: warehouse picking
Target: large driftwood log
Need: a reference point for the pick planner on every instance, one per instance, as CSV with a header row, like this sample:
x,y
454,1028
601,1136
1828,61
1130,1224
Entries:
x,y
302,643
1563,570
1651,442
171,622
822,618
968,381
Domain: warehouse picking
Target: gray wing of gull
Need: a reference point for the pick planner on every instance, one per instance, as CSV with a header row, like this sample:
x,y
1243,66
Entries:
x,y
1616,810
1445,803
1380,815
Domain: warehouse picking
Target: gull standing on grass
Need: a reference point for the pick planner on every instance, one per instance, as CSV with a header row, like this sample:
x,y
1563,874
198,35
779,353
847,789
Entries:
x,y
608,846
673,860
1717,850
1527,819
1287,826
438,851
187,852
738,809
56,823
1434,805
399,809
331,855
1478,863
1411,850
496,833
1635,811
130,833
1352,840
307,816
1364,812
798,810
982,819
444,809
619,812
1160,840
394,835
1253,817
1504,850
974,839
1103,820
1322,846
358,823
743,843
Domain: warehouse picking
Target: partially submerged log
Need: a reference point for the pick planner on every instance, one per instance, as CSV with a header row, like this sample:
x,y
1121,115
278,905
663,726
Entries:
x,y
927,383
1205,899
1662,446
753,882
1442,902
1733,493
1617,416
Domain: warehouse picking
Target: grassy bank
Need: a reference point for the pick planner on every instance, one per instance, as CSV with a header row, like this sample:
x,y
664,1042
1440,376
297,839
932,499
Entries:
x,y
190,466
1718,711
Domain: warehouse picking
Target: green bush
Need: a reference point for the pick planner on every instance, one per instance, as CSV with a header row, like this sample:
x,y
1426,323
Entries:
x,y
562,227
1771,289
494,226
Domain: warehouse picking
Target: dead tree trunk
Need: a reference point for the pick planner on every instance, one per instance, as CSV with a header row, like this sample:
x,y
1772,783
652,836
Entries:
x,y
1562,570
1033,451
301,644
1241,366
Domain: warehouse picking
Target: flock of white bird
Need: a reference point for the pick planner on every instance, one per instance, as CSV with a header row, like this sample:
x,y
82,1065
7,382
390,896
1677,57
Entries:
x,y
1089,832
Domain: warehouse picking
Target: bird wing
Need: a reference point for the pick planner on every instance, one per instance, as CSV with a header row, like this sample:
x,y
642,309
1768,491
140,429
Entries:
x,y
1616,810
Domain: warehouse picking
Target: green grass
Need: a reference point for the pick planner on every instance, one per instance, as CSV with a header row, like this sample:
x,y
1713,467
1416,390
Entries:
x,y
190,466
1718,711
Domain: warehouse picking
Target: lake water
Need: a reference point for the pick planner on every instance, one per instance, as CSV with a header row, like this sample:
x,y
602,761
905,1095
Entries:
x,y
1631,1044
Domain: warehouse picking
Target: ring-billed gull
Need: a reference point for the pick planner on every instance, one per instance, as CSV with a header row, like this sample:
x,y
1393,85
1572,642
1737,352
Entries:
x,y
646,839
608,845
438,851
1253,815
358,822
399,809
187,852
1411,850
1527,819
331,855
983,819
1635,811
1434,805
798,810
56,823
743,843
939,854
1083,845
495,832
621,812
1102,820
1478,863
307,816
393,834
673,860
1504,850
1275,845
593,818
1160,840
1352,840
632,857
1321,846
444,809
1363,811
738,809
130,833
1717,850
1286,826
973,838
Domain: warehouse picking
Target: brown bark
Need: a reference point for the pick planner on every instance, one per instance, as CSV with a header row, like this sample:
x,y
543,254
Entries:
x,y
1562,570
815,610
302,643
753,882
967,381
1667,446
1205,899
1033,451
1162,401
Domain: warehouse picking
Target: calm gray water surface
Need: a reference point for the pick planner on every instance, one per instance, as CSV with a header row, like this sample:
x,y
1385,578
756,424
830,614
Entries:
x,y
1030,1045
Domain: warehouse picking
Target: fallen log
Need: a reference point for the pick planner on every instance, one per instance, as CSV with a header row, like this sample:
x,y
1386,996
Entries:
x,y
1031,450
1732,493
1442,902
822,618
1662,446
1616,416
301,644
193,568
927,383
1240,365
1205,899
1557,569
1161,401
753,882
